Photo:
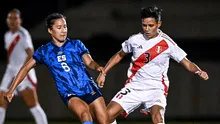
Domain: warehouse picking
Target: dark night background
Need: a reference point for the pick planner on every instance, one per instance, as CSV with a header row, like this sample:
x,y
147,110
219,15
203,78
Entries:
x,y
104,25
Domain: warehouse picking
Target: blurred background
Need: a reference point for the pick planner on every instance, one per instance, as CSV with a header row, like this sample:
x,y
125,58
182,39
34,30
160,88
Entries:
x,y
103,25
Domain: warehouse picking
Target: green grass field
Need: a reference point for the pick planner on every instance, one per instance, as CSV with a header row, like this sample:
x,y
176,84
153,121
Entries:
x,y
60,122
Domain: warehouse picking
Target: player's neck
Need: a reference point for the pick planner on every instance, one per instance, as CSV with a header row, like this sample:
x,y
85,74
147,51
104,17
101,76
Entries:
x,y
13,31
59,44
146,37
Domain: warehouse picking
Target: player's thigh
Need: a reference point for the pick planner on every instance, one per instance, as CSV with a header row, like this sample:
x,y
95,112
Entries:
x,y
4,86
79,107
6,80
29,96
114,109
98,108
27,90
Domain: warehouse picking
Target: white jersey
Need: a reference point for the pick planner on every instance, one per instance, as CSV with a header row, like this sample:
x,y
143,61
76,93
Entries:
x,y
15,44
150,60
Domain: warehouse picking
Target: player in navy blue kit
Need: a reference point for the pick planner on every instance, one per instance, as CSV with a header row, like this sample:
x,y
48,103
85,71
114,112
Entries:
x,y
67,60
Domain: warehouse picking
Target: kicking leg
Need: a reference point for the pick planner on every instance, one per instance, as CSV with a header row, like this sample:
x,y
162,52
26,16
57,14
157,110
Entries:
x,y
80,109
114,109
99,111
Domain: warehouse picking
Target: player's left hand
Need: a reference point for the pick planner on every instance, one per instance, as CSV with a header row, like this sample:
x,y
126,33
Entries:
x,y
101,78
8,96
203,75
100,69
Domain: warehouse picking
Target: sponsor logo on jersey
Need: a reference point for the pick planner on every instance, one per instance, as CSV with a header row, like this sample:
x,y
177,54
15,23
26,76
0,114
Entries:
x,y
60,53
140,47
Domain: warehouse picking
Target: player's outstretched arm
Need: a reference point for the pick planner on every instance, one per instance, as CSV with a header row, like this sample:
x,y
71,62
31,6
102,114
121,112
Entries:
x,y
112,62
192,67
19,78
87,59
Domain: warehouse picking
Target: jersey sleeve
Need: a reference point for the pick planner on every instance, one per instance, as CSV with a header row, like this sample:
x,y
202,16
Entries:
x,y
82,48
126,46
27,41
38,55
177,53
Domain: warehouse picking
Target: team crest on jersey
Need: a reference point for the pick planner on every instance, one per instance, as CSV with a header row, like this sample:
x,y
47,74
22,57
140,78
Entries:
x,y
60,53
159,49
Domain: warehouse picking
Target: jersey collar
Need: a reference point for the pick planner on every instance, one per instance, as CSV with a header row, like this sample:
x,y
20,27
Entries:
x,y
67,40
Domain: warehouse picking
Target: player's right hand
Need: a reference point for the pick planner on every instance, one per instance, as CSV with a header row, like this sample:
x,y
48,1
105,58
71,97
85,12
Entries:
x,y
203,75
101,79
8,96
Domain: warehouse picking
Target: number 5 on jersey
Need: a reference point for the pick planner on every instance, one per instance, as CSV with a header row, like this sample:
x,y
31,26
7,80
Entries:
x,y
64,65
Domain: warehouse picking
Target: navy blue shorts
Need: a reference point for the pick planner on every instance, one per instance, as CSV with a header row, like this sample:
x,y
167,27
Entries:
x,y
88,98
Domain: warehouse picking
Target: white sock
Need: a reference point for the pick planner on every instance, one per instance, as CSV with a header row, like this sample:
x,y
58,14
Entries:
x,y
114,122
2,115
39,114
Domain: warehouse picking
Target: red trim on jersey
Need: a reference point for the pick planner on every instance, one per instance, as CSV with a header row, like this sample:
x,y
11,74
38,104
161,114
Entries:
x,y
165,86
168,38
13,44
156,50
32,82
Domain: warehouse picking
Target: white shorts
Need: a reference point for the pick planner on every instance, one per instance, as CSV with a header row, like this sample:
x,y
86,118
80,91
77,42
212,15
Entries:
x,y
130,99
29,81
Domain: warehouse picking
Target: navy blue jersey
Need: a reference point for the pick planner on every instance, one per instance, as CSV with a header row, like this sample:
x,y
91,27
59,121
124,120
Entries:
x,y
67,67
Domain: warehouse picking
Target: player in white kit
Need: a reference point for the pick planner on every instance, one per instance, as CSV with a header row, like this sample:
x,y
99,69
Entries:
x,y
19,48
147,75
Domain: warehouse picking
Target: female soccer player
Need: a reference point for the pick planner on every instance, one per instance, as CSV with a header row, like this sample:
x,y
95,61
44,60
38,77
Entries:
x,y
147,82
19,46
67,60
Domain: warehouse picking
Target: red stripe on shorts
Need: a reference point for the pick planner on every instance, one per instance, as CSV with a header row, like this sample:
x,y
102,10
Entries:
x,y
32,82
165,86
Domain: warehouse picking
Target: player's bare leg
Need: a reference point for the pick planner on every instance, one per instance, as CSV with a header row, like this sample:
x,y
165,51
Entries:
x,y
156,114
3,106
114,109
98,110
31,99
80,109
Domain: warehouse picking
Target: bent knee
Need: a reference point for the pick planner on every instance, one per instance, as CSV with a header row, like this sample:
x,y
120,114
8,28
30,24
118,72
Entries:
x,y
85,116
104,120
113,110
